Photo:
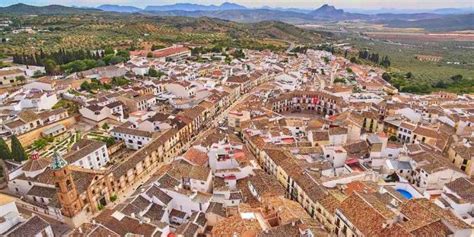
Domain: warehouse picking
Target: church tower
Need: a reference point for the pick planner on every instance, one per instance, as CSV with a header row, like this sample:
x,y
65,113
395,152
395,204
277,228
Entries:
x,y
66,190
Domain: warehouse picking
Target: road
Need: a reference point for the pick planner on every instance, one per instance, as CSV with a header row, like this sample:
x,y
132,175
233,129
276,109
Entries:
x,y
150,174
333,73
291,47
215,122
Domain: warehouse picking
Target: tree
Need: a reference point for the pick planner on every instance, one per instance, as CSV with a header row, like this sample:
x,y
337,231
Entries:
x,y
109,141
457,77
5,153
409,75
85,86
105,126
393,138
385,62
20,78
386,76
154,73
100,63
116,60
18,152
124,54
109,50
40,143
50,66
353,60
340,80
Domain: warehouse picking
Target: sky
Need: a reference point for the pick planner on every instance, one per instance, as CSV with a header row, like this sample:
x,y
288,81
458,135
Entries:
x,y
357,4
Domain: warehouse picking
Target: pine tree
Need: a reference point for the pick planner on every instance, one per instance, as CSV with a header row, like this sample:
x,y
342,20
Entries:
x,y
5,153
18,152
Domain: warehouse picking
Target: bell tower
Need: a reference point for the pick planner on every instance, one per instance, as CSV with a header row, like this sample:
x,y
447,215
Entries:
x,y
66,190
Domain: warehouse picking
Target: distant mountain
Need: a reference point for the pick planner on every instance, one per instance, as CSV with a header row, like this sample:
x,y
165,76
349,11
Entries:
x,y
405,17
328,11
291,9
20,8
231,6
195,7
244,16
238,13
454,10
118,8
442,23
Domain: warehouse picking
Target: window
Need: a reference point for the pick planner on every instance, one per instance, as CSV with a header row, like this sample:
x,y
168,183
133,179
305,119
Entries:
x,y
69,184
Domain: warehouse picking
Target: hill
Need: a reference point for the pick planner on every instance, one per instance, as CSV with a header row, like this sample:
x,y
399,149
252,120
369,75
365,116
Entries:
x,y
92,31
118,8
262,30
328,11
23,9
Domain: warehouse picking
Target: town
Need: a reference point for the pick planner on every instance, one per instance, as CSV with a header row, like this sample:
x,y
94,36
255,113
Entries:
x,y
258,143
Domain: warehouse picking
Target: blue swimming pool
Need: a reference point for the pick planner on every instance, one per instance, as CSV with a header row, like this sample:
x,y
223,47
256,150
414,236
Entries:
x,y
405,193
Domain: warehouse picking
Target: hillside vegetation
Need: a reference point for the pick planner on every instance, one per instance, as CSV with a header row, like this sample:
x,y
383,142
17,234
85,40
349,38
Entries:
x,y
93,31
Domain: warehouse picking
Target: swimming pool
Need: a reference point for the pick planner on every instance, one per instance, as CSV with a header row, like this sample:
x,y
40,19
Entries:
x,y
405,193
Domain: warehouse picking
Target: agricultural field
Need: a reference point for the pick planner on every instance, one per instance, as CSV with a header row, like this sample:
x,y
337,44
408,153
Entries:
x,y
457,57
431,59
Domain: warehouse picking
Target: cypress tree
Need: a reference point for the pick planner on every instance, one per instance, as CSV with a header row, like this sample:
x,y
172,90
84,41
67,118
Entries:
x,y
5,153
18,152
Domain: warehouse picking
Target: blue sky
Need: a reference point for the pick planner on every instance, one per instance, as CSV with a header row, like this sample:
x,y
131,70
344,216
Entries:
x,y
362,4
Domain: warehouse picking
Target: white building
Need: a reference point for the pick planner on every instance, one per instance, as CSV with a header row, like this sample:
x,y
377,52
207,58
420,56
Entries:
x,y
32,99
98,113
337,136
336,154
134,139
88,154
9,213
458,196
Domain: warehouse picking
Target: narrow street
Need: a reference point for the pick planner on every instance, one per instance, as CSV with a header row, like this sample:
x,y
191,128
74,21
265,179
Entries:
x,y
209,126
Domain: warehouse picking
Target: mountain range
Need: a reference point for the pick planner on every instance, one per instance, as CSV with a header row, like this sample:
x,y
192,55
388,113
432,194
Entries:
x,y
196,7
232,6
435,20
25,9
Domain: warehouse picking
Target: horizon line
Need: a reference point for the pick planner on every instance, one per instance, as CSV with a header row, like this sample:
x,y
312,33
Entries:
x,y
259,7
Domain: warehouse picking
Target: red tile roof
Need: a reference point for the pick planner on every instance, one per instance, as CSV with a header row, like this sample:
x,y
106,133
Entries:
x,y
169,51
